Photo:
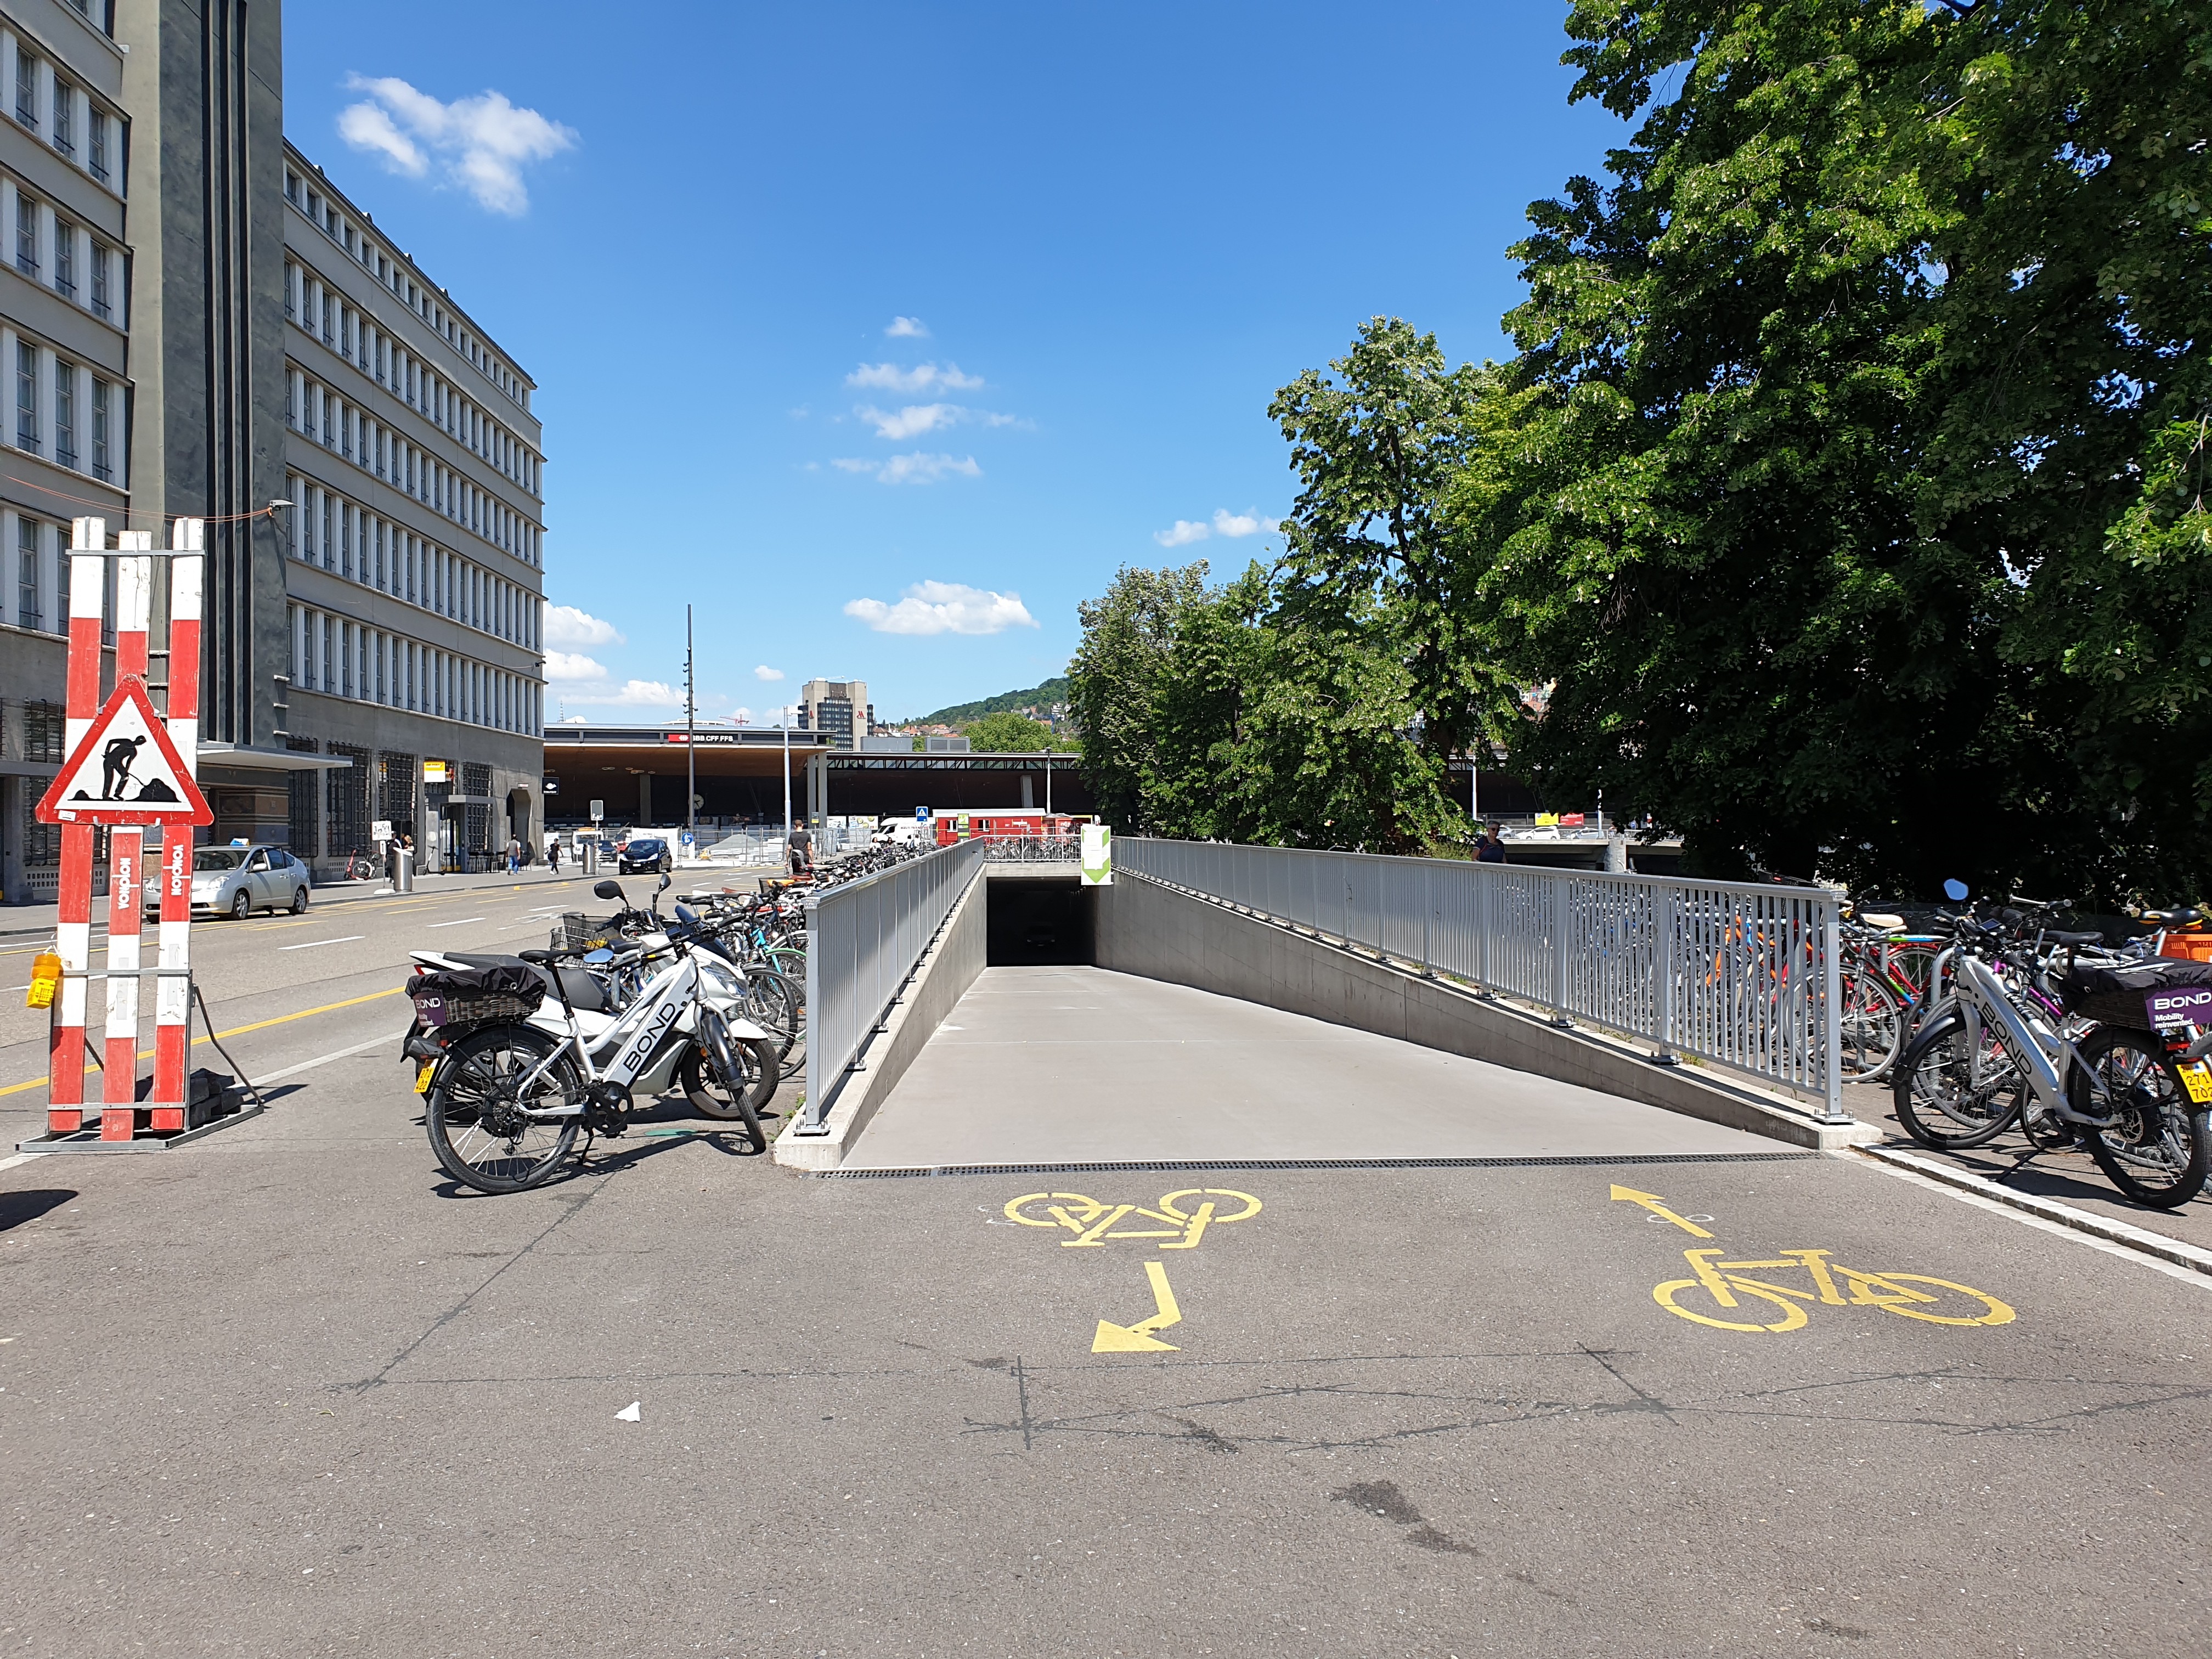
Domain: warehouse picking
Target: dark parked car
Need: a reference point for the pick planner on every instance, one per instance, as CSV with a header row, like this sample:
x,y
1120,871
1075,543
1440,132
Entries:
x,y
646,853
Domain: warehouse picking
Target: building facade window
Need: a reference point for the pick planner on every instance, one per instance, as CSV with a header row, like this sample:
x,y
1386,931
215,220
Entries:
x,y
102,306
103,397
27,89
96,145
64,136
26,397
65,413
27,234
65,257
26,573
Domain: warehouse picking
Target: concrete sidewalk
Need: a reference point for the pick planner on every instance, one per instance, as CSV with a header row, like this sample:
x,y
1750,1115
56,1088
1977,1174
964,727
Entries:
x,y
1083,1065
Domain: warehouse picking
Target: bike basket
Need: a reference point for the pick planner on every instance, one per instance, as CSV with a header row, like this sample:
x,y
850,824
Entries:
x,y
475,996
2118,995
578,932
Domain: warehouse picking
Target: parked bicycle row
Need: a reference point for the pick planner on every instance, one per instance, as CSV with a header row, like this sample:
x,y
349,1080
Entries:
x,y
2003,1019
516,1057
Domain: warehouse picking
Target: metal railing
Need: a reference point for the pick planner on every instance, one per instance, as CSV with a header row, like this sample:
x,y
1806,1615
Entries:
x,y
864,940
1740,975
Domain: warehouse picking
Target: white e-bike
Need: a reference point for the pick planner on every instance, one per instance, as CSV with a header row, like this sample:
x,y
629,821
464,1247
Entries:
x,y
506,1100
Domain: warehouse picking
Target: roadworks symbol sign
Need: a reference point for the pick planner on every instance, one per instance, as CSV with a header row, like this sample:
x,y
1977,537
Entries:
x,y
125,771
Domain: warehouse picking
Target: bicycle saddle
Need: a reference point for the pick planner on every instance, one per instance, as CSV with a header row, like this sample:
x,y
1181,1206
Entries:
x,y
1882,919
2091,936
2168,918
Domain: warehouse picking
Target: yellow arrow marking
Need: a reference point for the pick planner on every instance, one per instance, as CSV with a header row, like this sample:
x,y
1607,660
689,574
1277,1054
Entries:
x,y
1650,1201
1138,1338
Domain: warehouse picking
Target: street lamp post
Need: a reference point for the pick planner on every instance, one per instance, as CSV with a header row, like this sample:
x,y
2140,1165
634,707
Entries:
x,y
784,717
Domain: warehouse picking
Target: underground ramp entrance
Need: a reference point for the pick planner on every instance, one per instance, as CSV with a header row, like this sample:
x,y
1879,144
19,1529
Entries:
x,y
1037,921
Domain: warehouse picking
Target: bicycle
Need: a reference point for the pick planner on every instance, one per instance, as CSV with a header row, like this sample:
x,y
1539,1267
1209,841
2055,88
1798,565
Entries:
x,y
1909,1296
2077,1056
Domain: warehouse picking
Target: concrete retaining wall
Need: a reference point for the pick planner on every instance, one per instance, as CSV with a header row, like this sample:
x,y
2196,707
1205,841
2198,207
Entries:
x,y
947,969
1145,928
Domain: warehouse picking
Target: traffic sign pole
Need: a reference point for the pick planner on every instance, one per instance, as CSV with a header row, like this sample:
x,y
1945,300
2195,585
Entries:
x,y
126,858
73,919
172,991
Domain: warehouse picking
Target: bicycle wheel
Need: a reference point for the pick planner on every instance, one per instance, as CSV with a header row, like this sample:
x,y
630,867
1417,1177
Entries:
x,y
2156,1152
1793,1315
1872,1021
735,1070
1940,1100
703,1084
475,1115
775,1005
1938,1301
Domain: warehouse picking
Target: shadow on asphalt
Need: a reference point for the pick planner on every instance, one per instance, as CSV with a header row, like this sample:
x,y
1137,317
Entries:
x,y
16,1208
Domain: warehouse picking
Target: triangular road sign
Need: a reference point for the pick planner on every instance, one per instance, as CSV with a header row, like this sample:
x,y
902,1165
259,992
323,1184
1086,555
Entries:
x,y
125,771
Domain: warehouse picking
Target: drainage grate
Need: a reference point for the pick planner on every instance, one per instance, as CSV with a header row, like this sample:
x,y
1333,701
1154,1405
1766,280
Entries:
x,y
1592,1161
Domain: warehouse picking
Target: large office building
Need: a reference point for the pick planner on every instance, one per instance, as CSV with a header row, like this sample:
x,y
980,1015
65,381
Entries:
x,y
194,322
837,711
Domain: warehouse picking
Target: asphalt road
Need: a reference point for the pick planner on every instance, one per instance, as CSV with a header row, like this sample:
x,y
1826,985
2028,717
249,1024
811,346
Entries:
x,y
289,1392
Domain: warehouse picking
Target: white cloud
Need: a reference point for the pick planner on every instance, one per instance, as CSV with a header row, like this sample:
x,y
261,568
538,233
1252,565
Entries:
x,y
911,421
764,672
571,676
906,328
1225,522
945,608
481,143
916,468
567,625
1233,525
925,377
366,127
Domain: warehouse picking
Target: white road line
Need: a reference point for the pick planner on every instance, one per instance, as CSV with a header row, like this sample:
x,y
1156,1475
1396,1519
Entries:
x,y
20,1158
310,945
325,1060
457,923
2140,1258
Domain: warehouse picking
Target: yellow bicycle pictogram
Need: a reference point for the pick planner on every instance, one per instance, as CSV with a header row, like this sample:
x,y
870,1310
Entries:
x,y
1723,1285
1184,1216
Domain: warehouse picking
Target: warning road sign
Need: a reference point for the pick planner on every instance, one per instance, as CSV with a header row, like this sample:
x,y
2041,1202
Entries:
x,y
125,771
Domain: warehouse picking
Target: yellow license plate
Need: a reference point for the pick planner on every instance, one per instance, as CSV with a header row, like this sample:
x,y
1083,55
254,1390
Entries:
x,y
422,1077
2198,1080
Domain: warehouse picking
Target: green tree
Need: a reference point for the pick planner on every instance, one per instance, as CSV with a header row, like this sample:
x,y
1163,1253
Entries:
x,y
1113,679
1374,443
1007,732
1719,546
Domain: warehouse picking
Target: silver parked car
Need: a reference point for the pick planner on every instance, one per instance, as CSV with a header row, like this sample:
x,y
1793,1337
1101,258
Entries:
x,y
236,881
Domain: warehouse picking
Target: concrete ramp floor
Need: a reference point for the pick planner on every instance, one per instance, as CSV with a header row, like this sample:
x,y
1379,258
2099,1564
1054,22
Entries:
x,y
1083,1065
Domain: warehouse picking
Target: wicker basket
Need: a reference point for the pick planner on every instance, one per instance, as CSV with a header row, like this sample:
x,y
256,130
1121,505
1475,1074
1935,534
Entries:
x,y
2116,1008
578,932
452,1012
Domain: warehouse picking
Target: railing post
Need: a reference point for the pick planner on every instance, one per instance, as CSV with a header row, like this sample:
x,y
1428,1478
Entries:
x,y
1665,950
1562,902
1832,1025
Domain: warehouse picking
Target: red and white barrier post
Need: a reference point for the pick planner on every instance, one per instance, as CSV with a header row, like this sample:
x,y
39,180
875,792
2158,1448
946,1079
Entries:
x,y
65,1050
128,767
172,1010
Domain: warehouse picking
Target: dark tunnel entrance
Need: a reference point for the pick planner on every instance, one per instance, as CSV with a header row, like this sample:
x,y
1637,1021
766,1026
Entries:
x,y
1038,922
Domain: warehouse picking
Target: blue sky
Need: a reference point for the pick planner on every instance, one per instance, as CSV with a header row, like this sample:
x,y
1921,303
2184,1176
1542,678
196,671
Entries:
x,y
1111,232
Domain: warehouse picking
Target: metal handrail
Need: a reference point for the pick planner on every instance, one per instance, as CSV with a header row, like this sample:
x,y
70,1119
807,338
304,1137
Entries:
x,y
1741,975
864,940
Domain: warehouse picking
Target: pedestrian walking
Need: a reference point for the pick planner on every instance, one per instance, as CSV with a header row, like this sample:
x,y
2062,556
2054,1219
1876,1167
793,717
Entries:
x,y
802,851
1489,849
514,855
553,854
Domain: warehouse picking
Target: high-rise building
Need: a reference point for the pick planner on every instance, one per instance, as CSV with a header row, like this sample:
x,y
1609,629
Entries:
x,y
838,709
197,323
412,547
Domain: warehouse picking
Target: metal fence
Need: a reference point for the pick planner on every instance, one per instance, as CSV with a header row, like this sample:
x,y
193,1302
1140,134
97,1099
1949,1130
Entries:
x,y
863,940
1742,977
